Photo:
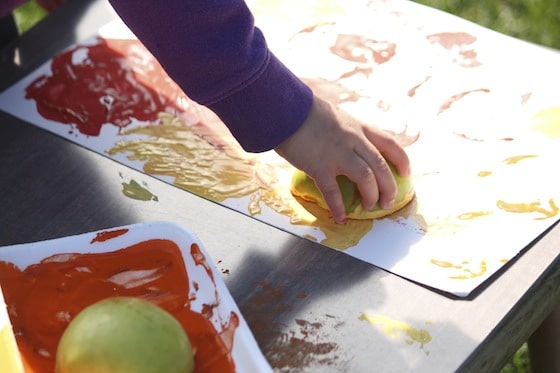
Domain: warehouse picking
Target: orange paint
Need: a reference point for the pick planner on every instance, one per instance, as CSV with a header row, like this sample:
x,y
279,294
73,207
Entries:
x,y
107,235
44,297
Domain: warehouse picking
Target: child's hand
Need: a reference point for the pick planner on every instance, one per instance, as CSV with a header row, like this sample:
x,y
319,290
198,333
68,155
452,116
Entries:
x,y
331,142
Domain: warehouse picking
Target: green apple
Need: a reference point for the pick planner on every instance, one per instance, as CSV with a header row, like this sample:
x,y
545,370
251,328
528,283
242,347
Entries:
x,y
304,187
124,335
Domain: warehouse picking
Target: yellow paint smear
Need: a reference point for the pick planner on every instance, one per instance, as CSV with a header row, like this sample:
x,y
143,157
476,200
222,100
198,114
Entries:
x,y
394,328
212,166
515,159
463,270
547,121
531,207
473,215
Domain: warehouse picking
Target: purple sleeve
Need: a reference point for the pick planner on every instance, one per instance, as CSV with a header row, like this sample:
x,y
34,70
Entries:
x,y
212,50
7,6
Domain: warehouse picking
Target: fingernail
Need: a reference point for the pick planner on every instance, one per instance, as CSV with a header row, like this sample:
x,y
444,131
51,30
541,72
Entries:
x,y
388,205
340,220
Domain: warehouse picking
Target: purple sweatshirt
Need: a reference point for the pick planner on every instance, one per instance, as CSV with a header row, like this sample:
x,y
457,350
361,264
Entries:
x,y
213,51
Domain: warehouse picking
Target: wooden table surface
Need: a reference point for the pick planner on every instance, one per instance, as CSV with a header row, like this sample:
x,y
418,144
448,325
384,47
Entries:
x,y
303,301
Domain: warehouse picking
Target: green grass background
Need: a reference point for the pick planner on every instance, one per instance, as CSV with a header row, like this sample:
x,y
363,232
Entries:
x,y
536,21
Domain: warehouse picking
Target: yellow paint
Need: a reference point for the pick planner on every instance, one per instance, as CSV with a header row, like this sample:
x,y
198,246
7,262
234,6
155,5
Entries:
x,y
394,328
206,162
473,215
547,121
530,207
10,360
463,270
445,264
515,159
484,173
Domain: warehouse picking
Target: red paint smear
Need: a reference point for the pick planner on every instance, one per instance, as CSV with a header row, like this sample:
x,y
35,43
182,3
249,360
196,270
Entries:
x,y
346,46
109,82
107,235
448,40
447,104
44,297
200,260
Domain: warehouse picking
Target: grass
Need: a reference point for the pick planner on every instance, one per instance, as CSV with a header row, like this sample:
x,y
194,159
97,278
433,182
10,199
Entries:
x,y
28,15
536,21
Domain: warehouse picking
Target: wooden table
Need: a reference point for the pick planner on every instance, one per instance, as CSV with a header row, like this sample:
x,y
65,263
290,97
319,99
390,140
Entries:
x,y
302,301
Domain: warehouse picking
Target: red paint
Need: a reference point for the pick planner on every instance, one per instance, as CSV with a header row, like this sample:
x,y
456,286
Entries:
x,y
448,40
461,42
109,82
447,104
107,235
200,260
44,297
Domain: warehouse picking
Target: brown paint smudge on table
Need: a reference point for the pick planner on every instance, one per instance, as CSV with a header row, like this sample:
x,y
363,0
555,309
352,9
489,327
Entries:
x,y
306,346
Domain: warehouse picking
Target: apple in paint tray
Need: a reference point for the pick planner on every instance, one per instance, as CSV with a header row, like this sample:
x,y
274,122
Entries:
x,y
124,335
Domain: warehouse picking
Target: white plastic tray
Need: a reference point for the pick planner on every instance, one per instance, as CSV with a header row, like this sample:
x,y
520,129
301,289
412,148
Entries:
x,y
246,353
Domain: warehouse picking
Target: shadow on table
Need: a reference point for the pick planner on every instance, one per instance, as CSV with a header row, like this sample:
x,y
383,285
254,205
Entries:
x,y
44,191
51,35
299,310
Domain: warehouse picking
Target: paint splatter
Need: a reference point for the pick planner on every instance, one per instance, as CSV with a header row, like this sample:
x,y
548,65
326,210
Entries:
x,y
136,191
358,48
517,158
459,43
463,270
547,121
450,101
530,207
395,328
473,215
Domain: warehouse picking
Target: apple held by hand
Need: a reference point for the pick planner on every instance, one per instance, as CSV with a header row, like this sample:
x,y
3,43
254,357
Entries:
x,y
304,187
124,335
